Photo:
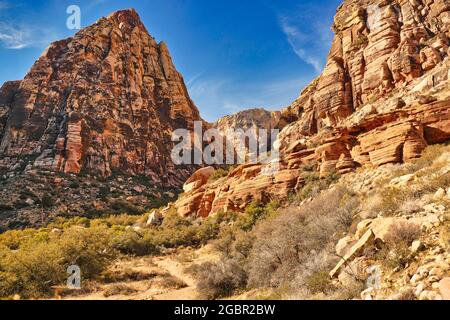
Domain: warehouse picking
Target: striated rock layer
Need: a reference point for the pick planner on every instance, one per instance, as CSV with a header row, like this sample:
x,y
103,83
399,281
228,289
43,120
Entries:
x,y
383,96
105,100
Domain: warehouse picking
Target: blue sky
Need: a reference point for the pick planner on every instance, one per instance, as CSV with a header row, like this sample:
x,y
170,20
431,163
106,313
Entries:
x,y
233,54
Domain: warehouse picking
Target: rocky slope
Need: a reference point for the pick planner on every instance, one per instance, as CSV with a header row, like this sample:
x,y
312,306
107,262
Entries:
x,y
105,100
382,98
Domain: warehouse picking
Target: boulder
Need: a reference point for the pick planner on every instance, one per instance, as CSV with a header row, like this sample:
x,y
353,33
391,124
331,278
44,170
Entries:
x,y
198,179
154,219
367,239
444,288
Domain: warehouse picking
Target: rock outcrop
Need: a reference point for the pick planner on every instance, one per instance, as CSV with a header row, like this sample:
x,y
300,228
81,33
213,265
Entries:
x,y
383,96
257,124
105,100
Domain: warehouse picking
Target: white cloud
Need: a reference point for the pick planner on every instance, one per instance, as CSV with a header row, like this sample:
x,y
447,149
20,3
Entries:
x,y
19,37
14,38
309,39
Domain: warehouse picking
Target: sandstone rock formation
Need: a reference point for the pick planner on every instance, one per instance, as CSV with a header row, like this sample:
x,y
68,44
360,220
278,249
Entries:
x,y
383,96
102,101
257,124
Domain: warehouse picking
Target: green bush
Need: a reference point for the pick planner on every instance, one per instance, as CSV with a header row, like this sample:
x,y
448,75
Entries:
x,y
32,261
255,212
221,172
175,231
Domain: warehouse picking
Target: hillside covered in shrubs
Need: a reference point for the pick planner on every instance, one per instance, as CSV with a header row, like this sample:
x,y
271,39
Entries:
x,y
279,250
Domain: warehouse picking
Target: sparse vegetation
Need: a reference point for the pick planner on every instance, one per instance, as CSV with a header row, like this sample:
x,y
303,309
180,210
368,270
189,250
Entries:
x,y
402,233
119,289
291,247
221,172
32,261
170,282
220,279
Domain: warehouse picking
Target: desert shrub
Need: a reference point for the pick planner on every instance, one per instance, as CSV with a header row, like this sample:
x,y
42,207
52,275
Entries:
x,y
117,220
220,280
175,231
255,212
119,206
407,295
350,290
396,253
397,257
319,281
35,261
135,243
313,185
286,243
234,242
64,223
410,205
220,173
170,282
445,233
126,275
430,155
119,289
391,200
402,232
289,249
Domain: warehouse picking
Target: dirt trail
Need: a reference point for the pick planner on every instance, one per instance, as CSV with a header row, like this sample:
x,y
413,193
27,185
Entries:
x,y
165,274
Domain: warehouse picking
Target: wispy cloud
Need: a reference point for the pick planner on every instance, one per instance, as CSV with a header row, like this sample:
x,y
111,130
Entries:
x,y
14,38
193,79
22,36
309,39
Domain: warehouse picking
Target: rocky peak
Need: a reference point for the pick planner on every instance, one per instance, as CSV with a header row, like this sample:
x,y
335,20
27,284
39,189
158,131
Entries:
x,y
104,100
127,17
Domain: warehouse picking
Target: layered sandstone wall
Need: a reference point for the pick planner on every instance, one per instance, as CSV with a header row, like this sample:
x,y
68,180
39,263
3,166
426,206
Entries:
x,y
105,100
383,96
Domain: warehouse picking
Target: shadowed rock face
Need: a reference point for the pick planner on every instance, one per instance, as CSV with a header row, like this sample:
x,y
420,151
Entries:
x,y
105,100
384,95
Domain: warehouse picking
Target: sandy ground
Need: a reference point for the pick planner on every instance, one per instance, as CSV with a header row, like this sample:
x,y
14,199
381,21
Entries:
x,y
171,266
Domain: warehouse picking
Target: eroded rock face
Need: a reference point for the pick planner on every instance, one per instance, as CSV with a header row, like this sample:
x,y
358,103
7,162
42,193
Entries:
x,y
383,96
7,93
238,127
379,46
105,100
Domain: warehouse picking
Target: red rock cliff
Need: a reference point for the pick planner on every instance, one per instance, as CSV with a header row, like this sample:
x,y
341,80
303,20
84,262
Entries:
x,y
107,99
383,96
